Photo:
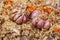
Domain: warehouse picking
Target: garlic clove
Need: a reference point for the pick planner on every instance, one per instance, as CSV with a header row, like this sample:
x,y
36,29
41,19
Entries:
x,y
16,17
47,25
40,24
19,20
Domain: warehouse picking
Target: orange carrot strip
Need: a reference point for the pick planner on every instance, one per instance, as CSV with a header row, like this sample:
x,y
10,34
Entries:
x,y
11,2
41,8
48,10
31,8
56,29
8,1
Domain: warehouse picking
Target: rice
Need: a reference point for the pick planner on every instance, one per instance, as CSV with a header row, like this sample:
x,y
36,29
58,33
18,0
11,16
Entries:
x,y
10,30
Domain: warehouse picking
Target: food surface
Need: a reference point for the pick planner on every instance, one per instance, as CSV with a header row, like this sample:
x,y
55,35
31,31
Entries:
x,y
29,19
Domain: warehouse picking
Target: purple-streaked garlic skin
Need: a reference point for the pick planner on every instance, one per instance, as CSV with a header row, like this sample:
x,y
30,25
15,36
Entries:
x,y
34,22
19,17
15,13
19,20
47,25
40,24
34,14
56,5
16,16
24,19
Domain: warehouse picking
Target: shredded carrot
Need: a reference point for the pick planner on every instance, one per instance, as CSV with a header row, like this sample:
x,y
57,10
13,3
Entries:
x,y
48,10
56,29
31,8
11,2
41,8
8,1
